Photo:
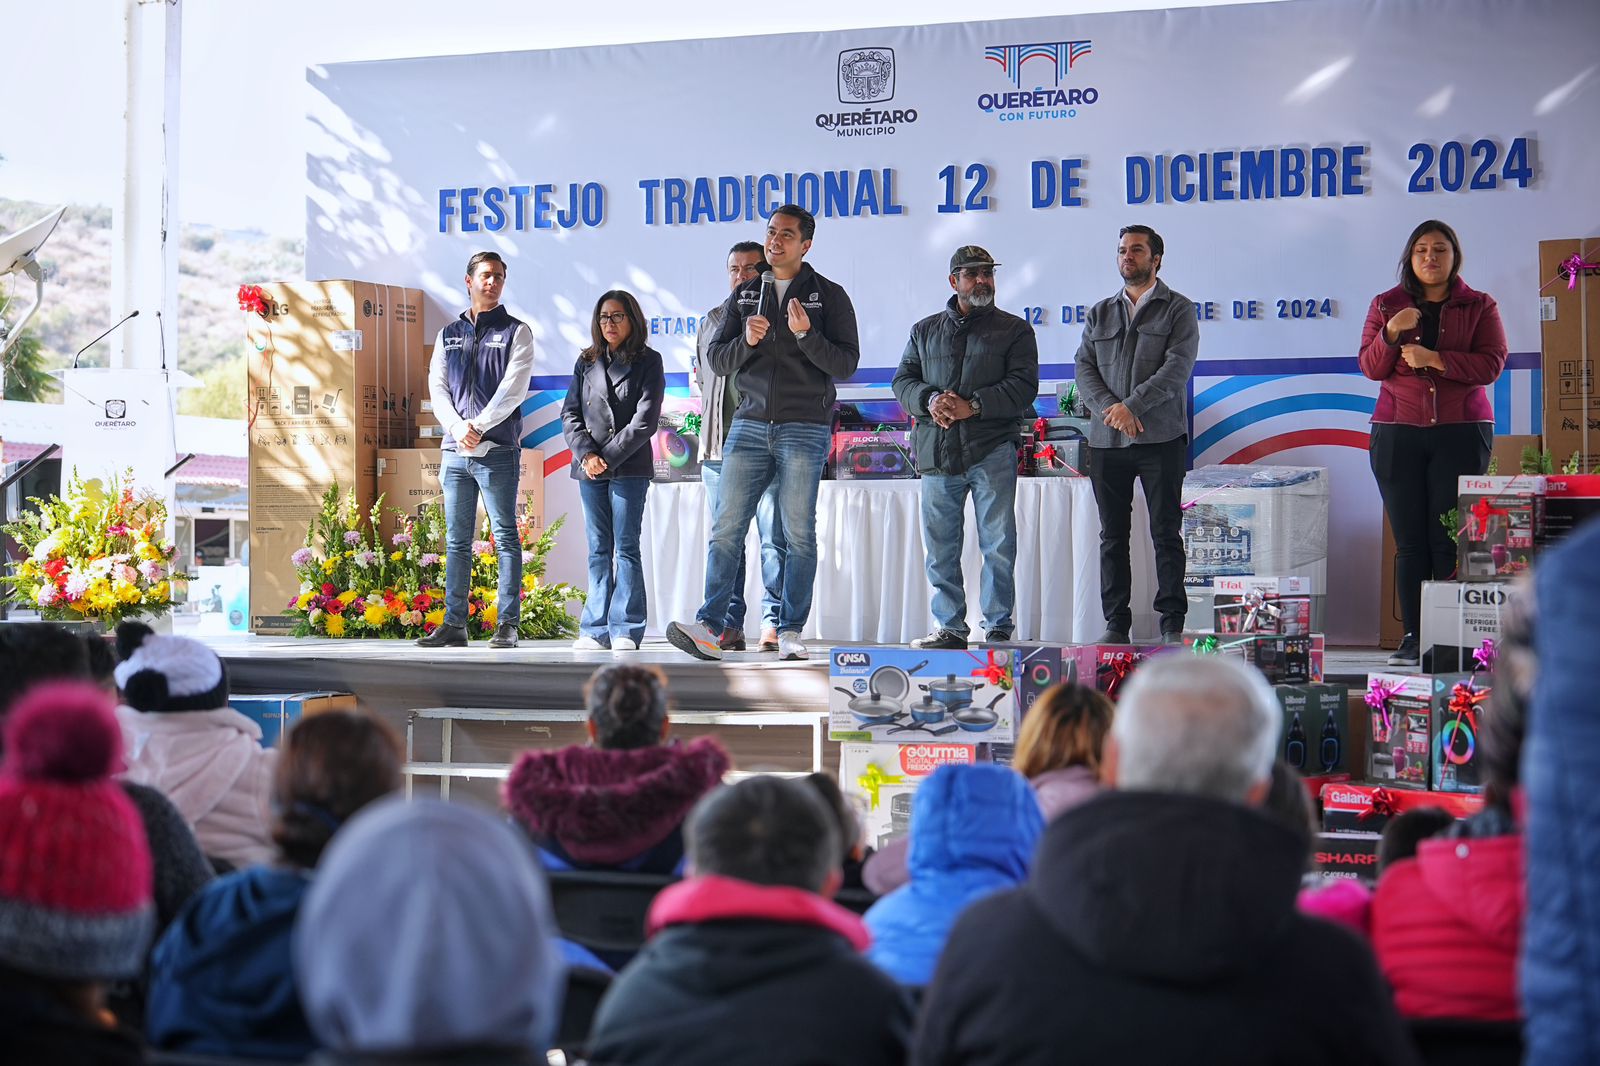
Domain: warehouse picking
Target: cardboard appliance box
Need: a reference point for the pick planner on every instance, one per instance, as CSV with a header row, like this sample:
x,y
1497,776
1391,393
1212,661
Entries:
x,y
1272,605
1502,522
277,713
334,385
1368,808
1571,396
1399,736
880,779
1311,737
1570,500
1460,704
875,694
408,479
1457,617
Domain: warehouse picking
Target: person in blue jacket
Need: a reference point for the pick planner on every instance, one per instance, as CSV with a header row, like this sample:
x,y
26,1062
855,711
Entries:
x,y
973,831
221,979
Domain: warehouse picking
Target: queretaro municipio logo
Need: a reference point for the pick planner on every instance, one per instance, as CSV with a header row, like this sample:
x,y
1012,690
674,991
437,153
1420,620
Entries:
x,y
116,409
866,75
1056,58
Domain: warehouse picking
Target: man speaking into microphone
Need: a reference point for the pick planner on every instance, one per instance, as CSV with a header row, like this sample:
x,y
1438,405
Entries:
x,y
788,335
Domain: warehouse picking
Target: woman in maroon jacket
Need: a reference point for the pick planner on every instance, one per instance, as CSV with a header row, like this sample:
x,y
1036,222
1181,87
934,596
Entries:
x,y
1433,343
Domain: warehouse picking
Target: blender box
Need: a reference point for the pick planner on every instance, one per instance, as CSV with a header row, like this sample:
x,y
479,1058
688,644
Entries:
x,y
1460,702
904,695
1399,738
1311,736
880,779
1272,605
1500,520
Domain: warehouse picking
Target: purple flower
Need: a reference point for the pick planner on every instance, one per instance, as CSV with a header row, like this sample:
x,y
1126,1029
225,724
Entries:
x,y
402,539
366,558
301,557
481,547
352,538
429,559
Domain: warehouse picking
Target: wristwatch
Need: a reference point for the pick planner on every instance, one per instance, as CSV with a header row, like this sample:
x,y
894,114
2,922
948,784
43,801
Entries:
x,y
977,406
801,334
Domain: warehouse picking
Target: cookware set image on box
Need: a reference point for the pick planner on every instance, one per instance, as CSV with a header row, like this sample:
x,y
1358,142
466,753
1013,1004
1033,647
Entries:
x,y
896,694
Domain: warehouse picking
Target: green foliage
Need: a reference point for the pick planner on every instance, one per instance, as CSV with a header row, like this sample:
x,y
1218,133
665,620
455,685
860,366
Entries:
x,y
1536,462
1451,520
27,376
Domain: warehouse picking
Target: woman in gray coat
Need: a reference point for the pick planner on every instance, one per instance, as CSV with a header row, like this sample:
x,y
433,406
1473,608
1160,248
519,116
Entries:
x,y
613,408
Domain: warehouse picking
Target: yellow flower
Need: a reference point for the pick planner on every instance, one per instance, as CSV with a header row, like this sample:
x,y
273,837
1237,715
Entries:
x,y
128,594
303,599
335,625
376,614
435,617
490,613
346,596
396,556
327,566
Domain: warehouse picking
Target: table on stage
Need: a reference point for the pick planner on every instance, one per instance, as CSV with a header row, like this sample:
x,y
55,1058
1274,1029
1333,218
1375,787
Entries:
x,y
871,585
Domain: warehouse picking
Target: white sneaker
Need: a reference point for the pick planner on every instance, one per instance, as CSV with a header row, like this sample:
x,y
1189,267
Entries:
x,y
695,639
790,646
623,644
588,644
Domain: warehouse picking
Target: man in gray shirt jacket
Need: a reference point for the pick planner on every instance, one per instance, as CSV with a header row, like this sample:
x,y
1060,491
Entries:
x,y
1133,368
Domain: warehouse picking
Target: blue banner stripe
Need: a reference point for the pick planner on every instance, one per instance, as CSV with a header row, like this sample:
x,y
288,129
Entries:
x,y
542,433
1536,384
1311,401
1228,386
1502,404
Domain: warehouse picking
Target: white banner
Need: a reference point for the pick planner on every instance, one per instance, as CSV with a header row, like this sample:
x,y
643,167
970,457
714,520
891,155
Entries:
x,y
116,420
1284,152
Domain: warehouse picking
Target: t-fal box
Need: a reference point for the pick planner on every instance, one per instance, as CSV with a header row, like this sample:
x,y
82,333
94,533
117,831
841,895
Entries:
x,y
1368,808
1104,666
879,780
1457,617
1346,857
904,695
1311,737
1274,605
1570,500
1460,702
1501,522
675,448
1399,739
863,455
276,714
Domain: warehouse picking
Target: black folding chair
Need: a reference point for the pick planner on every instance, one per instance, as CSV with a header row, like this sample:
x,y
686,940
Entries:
x,y
1460,1042
605,911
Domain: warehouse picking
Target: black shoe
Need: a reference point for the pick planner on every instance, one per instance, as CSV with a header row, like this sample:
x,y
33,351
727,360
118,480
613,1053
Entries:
x,y
1172,636
941,640
1406,653
505,636
997,636
1113,636
445,637
733,640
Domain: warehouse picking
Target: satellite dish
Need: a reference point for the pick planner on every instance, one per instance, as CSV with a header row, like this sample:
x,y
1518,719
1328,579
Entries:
x,y
17,256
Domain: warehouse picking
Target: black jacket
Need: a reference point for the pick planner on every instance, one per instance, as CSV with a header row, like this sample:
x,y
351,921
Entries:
x,y
990,354
620,435
749,990
36,1028
783,379
1157,929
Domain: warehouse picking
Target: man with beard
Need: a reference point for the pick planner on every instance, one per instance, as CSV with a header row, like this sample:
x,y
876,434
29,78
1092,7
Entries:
x,y
969,375
1133,368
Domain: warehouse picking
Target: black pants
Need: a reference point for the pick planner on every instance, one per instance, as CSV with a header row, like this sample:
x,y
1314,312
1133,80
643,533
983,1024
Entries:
x,y
1160,469
1417,468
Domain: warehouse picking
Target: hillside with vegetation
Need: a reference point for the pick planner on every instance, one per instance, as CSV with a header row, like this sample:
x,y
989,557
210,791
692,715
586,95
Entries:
x,y
212,264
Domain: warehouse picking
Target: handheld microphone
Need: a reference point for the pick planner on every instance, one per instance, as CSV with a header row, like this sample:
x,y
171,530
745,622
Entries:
x,y
103,336
768,279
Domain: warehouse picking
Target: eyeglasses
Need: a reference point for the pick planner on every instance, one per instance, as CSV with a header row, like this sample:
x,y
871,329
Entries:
x,y
976,272
614,320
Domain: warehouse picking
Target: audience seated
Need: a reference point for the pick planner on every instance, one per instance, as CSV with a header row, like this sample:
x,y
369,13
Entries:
x,y
1447,922
1058,750
749,962
427,937
856,852
75,900
973,832
221,980
183,738
1158,924
620,803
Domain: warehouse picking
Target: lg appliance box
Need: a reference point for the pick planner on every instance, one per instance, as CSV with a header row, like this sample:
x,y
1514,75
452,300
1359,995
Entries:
x,y
905,695
334,382
408,479
1501,522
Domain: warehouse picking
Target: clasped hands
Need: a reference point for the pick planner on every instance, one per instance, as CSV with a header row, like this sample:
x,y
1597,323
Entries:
x,y
947,408
1119,418
1416,356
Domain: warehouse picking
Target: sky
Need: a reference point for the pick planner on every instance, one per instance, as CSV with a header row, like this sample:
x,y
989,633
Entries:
x,y
242,133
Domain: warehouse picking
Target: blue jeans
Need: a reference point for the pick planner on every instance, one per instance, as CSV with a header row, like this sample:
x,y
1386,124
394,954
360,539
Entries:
x,y
773,549
613,514
494,475
993,484
787,456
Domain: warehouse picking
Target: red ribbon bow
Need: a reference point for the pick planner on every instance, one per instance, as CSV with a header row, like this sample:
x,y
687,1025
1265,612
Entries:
x,y
1040,427
251,298
994,671
1120,669
1382,806
1047,454
1464,700
1482,510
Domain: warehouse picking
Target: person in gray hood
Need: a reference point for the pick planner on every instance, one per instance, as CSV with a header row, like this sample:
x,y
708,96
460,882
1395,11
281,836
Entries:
x,y
427,935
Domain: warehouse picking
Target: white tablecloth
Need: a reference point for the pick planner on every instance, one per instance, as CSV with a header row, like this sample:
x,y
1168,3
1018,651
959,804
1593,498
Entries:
x,y
871,585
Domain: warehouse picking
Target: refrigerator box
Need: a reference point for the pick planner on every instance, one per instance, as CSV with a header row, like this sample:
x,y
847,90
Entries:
x,y
408,480
1500,524
1569,329
904,695
275,714
1457,617
880,779
1311,737
1460,702
1399,737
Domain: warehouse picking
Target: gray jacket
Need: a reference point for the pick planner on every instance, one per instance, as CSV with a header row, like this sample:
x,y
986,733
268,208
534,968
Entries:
x,y
620,435
991,355
1147,368
713,388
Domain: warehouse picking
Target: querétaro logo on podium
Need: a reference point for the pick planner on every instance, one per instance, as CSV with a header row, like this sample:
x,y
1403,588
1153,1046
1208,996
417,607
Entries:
x,y
866,77
1032,105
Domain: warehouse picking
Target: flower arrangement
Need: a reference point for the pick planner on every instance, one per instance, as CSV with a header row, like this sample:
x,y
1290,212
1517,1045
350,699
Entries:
x,y
353,584
97,554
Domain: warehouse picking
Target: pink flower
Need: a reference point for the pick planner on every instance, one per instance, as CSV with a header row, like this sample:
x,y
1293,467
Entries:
x,y
352,538
481,547
429,559
301,557
402,539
